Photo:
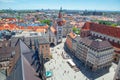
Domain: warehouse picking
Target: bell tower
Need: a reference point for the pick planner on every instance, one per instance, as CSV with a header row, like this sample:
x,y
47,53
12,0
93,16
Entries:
x,y
60,23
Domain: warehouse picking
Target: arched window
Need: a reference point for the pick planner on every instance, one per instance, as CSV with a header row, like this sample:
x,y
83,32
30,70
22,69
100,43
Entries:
x,y
0,65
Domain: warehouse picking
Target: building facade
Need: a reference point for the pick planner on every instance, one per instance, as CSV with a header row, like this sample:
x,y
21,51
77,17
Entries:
x,y
27,65
55,32
94,53
67,28
103,32
117,73
71,42
44,45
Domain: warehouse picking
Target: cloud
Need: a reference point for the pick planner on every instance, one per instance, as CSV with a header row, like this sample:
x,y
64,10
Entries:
x,y
7,1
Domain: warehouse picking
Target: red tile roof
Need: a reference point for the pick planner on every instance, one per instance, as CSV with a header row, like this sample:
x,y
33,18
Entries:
x,y
40,30
8,26
53,30
11,19
103,29
1,28
15,27
72,35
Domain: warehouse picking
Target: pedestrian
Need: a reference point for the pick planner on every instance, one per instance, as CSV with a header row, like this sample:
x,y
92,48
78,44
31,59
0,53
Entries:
x,y
68,72
51,78
60,65
74,77
64,71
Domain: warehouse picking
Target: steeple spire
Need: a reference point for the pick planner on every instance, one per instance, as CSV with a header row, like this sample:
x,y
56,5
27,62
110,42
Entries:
x,y
60,13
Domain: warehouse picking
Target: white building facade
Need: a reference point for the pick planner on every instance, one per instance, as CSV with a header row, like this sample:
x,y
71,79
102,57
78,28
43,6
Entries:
x,y
94,53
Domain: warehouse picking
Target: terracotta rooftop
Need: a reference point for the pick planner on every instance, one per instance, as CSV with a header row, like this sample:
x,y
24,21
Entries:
x,y
53,30
41,30
72,35
8,26
103,29
10,19
15,27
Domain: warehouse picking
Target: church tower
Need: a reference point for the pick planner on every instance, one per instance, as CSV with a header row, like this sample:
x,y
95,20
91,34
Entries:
x,y
60,23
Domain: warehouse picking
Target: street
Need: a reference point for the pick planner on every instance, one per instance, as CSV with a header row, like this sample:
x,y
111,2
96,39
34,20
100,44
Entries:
x,y
62,70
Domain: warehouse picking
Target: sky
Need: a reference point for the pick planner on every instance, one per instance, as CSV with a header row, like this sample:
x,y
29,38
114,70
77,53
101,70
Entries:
x,y
112,5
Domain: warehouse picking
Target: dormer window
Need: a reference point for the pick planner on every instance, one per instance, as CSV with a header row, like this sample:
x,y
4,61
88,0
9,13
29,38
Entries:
x,y
13,53
0,65
1,45
6,44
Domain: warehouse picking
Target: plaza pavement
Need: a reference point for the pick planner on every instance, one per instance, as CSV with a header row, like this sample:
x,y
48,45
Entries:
x,y
62,71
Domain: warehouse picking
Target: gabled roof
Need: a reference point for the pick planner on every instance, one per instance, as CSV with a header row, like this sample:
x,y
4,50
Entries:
x,y
72,35
53,30
95,44
29,72
86,41
103,29
40,30
100,45
26,57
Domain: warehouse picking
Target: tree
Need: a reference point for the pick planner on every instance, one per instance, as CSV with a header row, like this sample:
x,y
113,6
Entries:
x,y
114,25
76,30
48,22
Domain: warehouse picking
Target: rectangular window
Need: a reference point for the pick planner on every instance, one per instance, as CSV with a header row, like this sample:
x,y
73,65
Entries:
x,y
60,32
59,37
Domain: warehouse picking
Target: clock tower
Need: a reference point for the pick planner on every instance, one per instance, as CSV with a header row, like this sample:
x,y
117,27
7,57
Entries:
x,y
60,23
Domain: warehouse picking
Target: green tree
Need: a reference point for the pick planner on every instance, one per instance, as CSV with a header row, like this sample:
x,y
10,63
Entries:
x,y
76,30
113,25
45,21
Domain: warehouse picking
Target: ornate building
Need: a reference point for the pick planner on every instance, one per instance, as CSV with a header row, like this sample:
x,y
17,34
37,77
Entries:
x,y
59,27
104,32
95,53
55,32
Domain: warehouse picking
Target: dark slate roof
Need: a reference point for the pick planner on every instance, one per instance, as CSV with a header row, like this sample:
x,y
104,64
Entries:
x,y
96,45
77,38
86,41
23,70
41,40
29,71
14,40
100,45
